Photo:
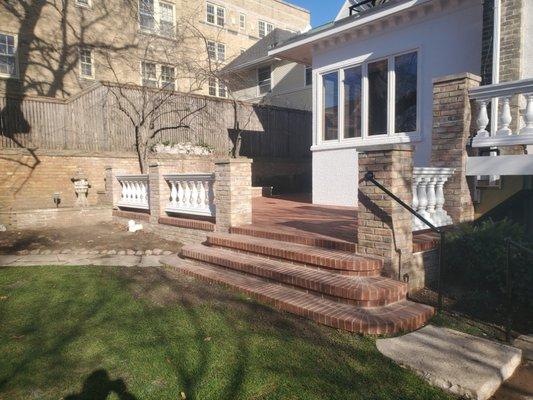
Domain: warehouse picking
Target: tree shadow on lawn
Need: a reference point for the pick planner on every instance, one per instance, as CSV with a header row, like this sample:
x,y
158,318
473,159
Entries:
x,y
164,333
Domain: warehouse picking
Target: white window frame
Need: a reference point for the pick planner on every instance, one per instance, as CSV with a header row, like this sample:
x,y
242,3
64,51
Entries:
x,y
217,54
15,56
216,9
142,77
80,49
83,5
365,140
157,19
217,87
268,27
242,21
161,82
259,94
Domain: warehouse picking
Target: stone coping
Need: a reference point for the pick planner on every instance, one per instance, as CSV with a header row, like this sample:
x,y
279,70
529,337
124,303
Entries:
x,y
58,209
456,77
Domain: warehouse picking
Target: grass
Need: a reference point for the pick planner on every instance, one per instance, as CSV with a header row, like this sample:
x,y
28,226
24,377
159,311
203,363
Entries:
x,y
85,333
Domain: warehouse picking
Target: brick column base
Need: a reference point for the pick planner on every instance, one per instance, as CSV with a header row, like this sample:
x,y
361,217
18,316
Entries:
x,y
112,185
384,226
233,193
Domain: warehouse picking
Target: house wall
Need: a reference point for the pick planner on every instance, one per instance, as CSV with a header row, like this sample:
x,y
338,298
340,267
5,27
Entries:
x,y
527,54
448,42
288,86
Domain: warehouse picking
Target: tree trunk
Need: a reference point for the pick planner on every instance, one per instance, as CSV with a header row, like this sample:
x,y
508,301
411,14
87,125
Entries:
x,y
141,147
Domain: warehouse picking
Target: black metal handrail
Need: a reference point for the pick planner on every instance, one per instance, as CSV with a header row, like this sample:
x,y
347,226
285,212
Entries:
x,y
510,244
369,177
353,8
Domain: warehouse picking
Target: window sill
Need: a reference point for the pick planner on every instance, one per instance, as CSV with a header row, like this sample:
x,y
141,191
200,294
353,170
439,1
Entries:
x,y
359,143
149,32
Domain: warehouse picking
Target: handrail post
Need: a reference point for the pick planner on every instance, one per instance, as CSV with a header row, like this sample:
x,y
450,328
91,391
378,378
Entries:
x,y
508,291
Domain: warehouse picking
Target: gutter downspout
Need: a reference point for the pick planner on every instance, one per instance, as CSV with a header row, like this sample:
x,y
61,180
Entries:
x,y
495,78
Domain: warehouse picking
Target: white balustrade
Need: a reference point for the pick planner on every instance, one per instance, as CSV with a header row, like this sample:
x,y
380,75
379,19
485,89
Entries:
x,y
134,192
501,96
191,194
428,196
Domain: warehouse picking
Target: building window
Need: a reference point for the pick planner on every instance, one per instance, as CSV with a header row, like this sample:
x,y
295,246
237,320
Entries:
x,y
308,76
379,98
168,77
330,100
242,21
216,51
216,15
149,74
83,3
86,63
217,88
265,28
146,14
8,51
264,80
166,19
405,101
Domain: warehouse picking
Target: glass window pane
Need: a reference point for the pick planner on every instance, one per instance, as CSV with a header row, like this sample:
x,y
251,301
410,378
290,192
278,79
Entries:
x,y
405,67
264,80
352,102
331,105
308,76
377,97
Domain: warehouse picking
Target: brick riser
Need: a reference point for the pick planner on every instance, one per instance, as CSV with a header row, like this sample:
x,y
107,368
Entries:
x,y
360,292
293,238
334,261
398,317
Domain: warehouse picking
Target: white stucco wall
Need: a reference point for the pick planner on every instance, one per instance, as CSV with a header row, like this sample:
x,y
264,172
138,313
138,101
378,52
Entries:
x,y
448,43
334,175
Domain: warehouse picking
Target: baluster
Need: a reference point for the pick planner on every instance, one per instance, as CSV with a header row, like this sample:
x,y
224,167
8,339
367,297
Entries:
x,y
439,201
173,194
187,194
128,191
482,119
528,116
423,199
142,191
194,194
415,201
431,197
506,118
202,196
123,192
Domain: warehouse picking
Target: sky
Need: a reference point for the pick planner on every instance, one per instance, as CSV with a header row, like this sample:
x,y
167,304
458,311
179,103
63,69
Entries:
x,y
322,11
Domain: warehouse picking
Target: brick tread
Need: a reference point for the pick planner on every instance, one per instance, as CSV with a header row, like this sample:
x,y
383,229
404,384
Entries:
x,y
335,260
401,316
187,223
296,237
360,291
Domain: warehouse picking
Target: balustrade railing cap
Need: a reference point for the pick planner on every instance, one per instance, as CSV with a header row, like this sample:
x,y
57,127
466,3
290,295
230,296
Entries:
x,y
233,160
133,176
487,92
433,171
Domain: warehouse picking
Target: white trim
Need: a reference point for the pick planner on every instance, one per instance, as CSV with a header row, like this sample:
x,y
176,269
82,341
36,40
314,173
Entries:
x,y
157,19
15,56
502,165
90,50
86,6
359,143
216,7
242,20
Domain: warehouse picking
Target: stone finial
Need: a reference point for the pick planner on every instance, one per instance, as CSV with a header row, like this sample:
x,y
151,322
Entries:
x,y
81,187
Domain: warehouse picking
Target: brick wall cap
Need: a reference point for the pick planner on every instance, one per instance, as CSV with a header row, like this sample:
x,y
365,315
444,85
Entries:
x,y
55,210
387,147
456,77
234,160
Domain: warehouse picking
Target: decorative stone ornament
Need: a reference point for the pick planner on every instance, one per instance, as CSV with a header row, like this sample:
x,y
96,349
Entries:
x,y
81,187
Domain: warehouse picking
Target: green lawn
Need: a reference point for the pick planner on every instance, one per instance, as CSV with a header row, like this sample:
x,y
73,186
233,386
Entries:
x,y
86,332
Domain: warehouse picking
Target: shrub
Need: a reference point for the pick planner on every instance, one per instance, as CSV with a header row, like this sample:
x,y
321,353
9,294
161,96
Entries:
x,y
475,273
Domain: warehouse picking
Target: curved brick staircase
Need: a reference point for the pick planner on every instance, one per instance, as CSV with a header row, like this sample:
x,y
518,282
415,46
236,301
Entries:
x,y
320,279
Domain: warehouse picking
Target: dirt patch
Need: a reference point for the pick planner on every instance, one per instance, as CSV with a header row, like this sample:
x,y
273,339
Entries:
x,y
103,236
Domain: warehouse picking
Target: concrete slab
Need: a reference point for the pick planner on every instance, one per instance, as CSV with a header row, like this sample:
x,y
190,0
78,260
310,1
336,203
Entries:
x,y
462,364
150,261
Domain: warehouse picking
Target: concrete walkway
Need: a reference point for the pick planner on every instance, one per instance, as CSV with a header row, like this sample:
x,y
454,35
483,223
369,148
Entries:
x,y
80,259
462,364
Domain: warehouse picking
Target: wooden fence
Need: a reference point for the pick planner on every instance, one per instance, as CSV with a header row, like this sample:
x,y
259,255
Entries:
x,y
91,121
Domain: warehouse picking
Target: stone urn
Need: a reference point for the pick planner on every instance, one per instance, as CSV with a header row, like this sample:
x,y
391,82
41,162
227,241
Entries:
x,y
81,187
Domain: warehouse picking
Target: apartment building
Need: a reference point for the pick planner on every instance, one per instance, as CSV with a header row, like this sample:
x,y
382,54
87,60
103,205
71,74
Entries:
x,y
57,48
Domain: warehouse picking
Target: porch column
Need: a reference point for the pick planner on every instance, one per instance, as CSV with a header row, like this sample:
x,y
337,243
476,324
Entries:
x,y
385,228
452,115
233,193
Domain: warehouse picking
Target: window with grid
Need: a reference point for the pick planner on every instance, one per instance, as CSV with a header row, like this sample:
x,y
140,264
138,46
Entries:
x,y
86,63
146,14
215,15
83,3
242,21
222,92
212,87
168,77
211,50
8,50
149,75
308,76
221,52
264,80
265,28
166,19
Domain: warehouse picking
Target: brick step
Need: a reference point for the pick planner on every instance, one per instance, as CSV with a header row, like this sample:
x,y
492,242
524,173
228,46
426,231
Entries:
x,y
358,291
333,260
401,316
300,237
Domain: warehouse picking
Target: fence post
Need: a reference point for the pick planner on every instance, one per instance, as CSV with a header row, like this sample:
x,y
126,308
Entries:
x,y
233,193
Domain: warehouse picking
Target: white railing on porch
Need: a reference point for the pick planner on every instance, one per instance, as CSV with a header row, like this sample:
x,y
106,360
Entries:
x,y
428,196
500,97
134,191
191,194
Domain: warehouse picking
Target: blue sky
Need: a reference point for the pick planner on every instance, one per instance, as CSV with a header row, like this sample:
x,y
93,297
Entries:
x,y
322,11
